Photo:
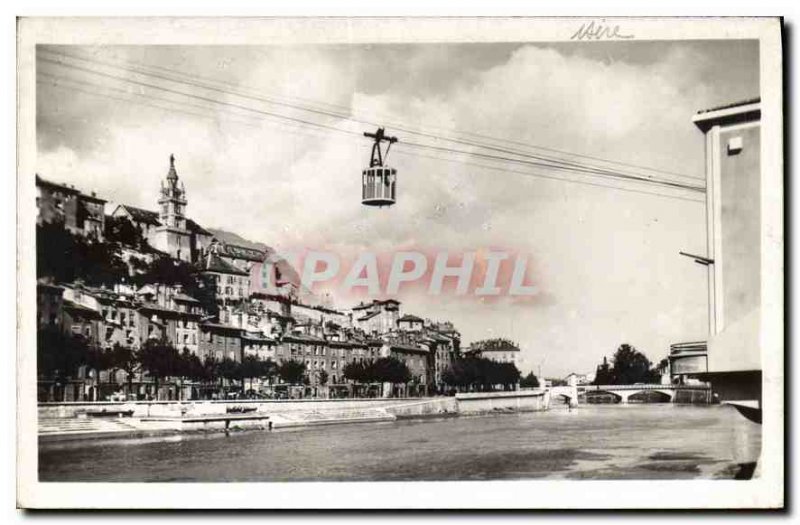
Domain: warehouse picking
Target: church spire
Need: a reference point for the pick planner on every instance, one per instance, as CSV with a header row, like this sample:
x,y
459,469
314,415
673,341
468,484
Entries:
x,y
172,176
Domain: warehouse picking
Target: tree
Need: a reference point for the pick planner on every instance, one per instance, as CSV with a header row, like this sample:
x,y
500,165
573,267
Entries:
x,y
479,373
292,371
59,356
508,374
268,369
169,271
663,367
251,367
192,366
110,362
189,367
126,359
357,373
205,291
210,366
354,371
630,366
460,374
388,370
66,257
529,381
450,376
160,359
121,230
98,360
229,370
603,375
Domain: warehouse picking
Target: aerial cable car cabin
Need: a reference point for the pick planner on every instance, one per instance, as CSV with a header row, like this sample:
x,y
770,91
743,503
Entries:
x,y
379,182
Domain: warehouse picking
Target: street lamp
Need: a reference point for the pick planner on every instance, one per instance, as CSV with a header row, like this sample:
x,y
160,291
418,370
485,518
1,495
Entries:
x,y
699,259
541,362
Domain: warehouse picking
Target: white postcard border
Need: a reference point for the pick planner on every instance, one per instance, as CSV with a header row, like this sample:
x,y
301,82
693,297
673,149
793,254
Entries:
x,y
764,492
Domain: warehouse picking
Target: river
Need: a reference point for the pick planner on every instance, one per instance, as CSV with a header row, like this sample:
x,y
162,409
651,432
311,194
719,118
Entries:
x,y
658,441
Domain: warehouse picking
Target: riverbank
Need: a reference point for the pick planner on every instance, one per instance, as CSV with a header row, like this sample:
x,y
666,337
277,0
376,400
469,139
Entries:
x,y
59,422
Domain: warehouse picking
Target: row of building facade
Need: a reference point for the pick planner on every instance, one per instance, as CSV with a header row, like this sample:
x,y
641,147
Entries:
x,y
249,322
266,327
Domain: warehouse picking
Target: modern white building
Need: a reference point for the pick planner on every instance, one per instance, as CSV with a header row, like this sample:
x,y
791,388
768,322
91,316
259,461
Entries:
x,y
735,184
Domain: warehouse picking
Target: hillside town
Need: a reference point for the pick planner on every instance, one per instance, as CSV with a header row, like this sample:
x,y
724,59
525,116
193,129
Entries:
x,y
141,304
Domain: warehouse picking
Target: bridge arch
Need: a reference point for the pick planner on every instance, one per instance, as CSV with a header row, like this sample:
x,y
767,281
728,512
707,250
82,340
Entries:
x,y
563,396
650,396
603,396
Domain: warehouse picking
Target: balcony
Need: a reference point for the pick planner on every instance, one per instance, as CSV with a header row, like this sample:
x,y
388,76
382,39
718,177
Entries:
x,y
688,358
688,348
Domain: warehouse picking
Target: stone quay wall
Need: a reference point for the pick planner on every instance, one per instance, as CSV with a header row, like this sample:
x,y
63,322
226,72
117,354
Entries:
x,y
517,401
198,408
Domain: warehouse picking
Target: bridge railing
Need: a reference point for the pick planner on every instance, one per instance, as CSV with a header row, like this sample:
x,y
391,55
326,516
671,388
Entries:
x,y
642,387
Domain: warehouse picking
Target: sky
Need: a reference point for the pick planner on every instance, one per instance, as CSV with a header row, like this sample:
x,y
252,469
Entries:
x,y
605,261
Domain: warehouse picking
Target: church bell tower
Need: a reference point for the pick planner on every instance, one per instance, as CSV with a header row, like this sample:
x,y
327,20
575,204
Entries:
x,y
172,236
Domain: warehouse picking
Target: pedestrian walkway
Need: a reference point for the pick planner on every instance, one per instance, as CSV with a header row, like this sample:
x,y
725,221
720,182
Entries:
x,y
60,425
67,428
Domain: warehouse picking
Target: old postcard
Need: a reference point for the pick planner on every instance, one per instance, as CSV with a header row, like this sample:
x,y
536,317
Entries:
x,y
476,262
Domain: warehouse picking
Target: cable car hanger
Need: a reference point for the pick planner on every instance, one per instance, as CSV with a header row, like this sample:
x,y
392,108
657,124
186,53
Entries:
x,y
379,136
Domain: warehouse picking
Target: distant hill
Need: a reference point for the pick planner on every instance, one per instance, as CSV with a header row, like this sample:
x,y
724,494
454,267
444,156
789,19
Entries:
x,y
234,238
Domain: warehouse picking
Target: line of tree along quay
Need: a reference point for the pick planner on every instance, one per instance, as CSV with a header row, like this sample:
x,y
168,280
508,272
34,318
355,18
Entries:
x,y
61,356
479,374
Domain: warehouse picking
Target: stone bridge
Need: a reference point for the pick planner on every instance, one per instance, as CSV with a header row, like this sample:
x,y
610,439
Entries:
x,y
624,392
569,393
